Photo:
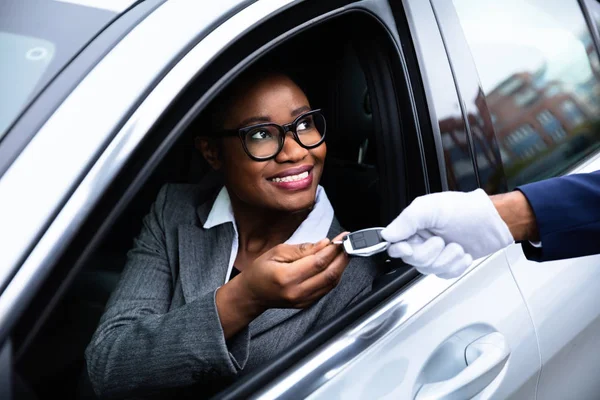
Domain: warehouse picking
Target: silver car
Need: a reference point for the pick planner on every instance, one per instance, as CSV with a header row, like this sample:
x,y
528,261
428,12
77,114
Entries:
x,y
96,98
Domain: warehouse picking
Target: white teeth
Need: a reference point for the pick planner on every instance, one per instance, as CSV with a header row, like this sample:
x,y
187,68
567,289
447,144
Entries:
x,y
292,178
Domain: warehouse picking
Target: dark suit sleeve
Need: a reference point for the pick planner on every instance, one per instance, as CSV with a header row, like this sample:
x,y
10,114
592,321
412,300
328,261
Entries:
x,y
567,211
141,345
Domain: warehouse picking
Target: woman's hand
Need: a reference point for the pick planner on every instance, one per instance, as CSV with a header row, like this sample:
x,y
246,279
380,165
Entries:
x,y
287,276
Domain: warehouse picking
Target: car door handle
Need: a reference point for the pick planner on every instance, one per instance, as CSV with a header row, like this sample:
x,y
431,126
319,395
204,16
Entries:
x,y
485,359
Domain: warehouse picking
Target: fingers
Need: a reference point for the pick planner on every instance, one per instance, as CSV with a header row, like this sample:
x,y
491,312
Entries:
x,y
287,253
340,236
430,255
451,262
318,262
414,218
400,250
291,253
458,269
322,282
425,252
399,229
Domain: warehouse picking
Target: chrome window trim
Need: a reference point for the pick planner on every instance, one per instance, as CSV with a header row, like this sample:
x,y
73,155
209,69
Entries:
x,y
429,46
590,164
30,196
324,364
37,264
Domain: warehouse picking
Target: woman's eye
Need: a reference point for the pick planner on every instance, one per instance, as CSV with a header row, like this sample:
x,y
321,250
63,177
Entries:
x,y
259,135
304,125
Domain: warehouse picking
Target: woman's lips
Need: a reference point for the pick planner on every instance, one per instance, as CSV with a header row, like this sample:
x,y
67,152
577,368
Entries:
x,y
299,181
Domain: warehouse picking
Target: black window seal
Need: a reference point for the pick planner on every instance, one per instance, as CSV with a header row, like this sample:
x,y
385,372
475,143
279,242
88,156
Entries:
x,y
591,22
457,83
416,99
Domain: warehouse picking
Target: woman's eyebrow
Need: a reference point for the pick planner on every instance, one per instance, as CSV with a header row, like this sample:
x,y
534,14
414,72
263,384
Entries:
x,y
262,118
300,110
255,119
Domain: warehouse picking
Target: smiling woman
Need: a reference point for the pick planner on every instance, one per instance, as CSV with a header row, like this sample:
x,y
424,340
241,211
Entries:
x,y
221,279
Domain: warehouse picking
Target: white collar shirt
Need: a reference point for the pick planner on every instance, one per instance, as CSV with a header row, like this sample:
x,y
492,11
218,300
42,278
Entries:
x,y
314,228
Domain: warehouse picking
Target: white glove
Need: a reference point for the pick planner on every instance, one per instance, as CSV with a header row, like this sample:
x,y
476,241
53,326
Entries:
x,y
437,232
432,256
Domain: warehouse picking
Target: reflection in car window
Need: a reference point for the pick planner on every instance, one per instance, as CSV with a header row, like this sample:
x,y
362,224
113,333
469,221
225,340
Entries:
x,y
25,60
540,74
594,9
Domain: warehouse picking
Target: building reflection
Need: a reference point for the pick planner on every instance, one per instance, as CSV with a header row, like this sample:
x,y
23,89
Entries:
x,y
541,126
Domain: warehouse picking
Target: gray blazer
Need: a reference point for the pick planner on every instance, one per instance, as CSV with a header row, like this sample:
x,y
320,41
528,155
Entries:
x,y
161,332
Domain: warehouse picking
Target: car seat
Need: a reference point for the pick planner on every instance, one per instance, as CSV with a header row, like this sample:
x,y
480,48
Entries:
x,y
350,177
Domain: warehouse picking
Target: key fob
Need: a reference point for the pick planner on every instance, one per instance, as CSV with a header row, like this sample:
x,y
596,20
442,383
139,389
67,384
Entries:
x,y
365,242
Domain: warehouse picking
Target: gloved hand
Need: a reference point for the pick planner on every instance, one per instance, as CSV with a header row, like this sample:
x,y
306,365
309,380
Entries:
x,y
441,233
432,256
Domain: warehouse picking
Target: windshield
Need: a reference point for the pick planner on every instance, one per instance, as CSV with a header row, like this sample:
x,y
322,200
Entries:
x,y
38,38
25,59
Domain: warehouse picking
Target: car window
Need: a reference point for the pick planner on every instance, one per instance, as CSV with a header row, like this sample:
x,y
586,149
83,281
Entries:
x,y
594,9
26,59
540,74
38,39
333,79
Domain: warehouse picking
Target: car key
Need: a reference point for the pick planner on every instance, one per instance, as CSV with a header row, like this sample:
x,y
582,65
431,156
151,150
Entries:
x,y
364,243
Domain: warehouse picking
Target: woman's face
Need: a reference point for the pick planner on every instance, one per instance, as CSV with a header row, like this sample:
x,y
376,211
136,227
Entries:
x,y
259,183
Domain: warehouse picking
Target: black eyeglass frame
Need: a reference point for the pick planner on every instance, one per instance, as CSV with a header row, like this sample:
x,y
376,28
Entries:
x,y
283,130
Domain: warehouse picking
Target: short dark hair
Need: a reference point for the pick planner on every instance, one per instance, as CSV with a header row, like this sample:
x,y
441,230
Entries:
x,y
215,115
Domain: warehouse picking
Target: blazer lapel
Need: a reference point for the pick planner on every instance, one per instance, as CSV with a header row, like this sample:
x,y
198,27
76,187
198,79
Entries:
x,y
203,256
275,316
203,262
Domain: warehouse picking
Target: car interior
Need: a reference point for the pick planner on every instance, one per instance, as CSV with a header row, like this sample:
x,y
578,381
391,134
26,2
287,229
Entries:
x,y
55,330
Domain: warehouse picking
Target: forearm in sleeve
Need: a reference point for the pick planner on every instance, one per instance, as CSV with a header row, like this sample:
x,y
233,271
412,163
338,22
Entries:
x,y
136,351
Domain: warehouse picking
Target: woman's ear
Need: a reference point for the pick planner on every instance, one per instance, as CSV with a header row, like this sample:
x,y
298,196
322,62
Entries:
x,y
209,149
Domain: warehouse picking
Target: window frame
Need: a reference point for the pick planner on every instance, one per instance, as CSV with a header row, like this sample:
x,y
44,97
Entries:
x,y
467,76
36,111
430,69
94,189
468,86
116,197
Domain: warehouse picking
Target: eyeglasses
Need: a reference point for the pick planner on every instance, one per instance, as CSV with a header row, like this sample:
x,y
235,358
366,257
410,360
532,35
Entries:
x,y
264,141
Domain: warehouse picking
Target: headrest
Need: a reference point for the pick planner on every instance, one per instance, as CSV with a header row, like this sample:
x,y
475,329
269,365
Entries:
x,y
351,121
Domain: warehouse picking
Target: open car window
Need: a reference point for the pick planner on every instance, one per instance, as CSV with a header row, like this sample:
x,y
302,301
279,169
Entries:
x,y
340,80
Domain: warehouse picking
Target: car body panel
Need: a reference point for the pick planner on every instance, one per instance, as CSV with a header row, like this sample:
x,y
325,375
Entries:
x,y
563,298
484,299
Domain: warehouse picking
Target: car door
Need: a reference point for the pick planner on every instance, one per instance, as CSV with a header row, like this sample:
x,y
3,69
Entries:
x,y
463,337
471,337
542,91
55,225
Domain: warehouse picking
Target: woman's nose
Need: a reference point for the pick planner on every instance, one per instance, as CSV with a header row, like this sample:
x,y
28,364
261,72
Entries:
x,y
291,151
